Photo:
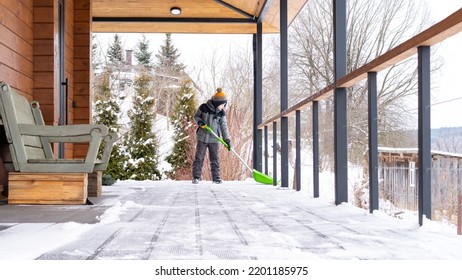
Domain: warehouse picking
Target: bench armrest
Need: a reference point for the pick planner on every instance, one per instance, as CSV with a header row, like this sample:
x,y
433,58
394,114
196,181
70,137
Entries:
x,y
108,142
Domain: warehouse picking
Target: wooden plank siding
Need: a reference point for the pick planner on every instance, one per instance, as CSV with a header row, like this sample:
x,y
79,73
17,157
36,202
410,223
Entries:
x,y
16,45
45,48
29,59
82,69
76,64
16,64
204,16
69,64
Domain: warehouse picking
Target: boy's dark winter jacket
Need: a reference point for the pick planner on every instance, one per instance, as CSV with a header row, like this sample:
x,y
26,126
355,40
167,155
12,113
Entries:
x,y
207,113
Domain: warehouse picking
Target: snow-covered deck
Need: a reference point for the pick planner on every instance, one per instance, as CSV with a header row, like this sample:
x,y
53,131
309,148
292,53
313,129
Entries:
x,y
236,220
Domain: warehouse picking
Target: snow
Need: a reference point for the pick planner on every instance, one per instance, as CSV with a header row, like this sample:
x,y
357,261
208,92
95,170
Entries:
x,y
30,240
341,234
165,141
409,252
416,150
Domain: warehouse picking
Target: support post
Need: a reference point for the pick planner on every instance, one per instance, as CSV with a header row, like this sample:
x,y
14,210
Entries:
x,y
266,149
257,107
284,152
315,149
340,104
284,95
425,157
275,154
298,174
373,142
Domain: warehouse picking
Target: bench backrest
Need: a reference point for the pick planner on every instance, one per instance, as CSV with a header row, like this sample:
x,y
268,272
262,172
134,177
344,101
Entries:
x,y
15,109
30,140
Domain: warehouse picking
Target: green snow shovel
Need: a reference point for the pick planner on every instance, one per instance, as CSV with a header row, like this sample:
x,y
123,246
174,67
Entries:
x,y
257,175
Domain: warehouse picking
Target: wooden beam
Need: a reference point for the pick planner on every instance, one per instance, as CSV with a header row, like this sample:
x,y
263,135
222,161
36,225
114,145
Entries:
x,y
173,27
431,36
236,9
265,11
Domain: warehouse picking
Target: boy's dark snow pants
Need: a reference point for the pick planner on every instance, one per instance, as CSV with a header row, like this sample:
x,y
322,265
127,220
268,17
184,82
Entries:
x,y
214,156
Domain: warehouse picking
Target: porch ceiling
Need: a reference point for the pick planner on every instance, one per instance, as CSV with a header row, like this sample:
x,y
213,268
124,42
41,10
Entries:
x,y
197,16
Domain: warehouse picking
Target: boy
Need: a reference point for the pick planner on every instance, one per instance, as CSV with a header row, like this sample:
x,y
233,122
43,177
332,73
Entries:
x,y
211,113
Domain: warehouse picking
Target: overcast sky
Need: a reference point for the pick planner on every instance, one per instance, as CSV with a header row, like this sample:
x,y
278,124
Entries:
x,y
446,114
446,94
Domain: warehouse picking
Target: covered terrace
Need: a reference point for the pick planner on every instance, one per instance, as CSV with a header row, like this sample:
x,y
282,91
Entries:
x,y
33,66
259,17
239,220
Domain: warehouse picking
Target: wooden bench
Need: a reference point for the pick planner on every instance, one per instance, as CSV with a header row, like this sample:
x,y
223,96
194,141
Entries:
x,y
30,144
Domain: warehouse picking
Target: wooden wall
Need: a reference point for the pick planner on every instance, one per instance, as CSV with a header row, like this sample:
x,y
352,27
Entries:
x,y
46,51
29,56
82,69
16,64
16,45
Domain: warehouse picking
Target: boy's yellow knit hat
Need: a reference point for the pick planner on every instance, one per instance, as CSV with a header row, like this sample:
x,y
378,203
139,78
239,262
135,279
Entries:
x,y
219,97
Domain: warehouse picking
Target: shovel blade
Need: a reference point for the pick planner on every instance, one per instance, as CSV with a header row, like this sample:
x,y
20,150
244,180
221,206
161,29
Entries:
x,y
262,178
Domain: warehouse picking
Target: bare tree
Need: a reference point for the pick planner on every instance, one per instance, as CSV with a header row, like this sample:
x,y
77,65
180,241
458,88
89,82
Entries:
x,y
447,139
239,83
234,72
211,72
373,27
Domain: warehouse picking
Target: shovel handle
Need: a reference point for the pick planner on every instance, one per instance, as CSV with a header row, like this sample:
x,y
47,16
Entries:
x,y
258,176
206,127
209,129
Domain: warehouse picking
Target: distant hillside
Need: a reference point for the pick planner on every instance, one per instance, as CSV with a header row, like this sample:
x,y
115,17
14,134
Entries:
x,y
447,139
445,131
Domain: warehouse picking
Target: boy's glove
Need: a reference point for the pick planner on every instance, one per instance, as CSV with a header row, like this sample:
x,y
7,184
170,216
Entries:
x,y
228,142
201,123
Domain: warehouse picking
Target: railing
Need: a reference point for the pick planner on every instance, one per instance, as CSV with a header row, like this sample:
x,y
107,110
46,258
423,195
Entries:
x,y
429,37
418,44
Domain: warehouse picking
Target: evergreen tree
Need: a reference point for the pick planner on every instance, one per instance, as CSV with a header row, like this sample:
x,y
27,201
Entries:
x,y
169,75
141,142
115,51
107,112
106,107
95,60
142,53
167,59
182,122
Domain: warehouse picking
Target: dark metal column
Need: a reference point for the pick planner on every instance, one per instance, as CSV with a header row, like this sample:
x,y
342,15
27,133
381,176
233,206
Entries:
x,y
257,100
275,153
315,149
284,152
373,142
298,174
340,104
425,157
284,96
266,150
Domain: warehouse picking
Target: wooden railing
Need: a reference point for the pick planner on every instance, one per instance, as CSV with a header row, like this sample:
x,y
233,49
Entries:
x,y
431,36
420,44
